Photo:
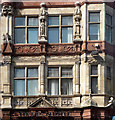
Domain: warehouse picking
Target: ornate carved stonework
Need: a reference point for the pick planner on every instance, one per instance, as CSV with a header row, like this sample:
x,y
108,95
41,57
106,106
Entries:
x,y
42,102
29,49
43,23
54,49
7,10
77,18
66,102
55,101
63,48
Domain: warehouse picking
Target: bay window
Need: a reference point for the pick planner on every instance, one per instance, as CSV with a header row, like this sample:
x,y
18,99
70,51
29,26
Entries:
x,y
94,25
60,29
60,81
26,81
26,30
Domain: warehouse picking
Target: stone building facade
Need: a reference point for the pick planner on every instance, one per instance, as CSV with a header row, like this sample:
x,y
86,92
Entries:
x,y
57,60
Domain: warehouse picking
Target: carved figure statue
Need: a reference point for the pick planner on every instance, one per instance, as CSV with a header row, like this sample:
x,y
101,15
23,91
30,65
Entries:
x,y
42,27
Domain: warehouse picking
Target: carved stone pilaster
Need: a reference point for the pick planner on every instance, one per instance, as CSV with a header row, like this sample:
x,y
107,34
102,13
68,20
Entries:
x,y
7,10
77,26
43,23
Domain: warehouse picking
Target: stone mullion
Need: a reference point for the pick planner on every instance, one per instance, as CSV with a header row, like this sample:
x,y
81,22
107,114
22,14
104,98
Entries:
x,y
25,81
60,30
60,86
26,29
42,77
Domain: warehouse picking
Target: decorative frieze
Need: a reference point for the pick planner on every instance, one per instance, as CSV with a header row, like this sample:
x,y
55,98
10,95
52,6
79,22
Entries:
x,y
63,48
29,49
49,49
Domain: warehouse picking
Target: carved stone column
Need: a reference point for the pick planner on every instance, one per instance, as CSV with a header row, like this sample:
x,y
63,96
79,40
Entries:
x,y
77,26
42,77
43,24
77,77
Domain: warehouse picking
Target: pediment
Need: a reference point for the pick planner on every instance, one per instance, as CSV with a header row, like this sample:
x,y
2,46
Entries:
x,y
41,103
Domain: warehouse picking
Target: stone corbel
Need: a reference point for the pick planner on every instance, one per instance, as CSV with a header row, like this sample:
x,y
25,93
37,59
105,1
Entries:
x,y
77,25
43,24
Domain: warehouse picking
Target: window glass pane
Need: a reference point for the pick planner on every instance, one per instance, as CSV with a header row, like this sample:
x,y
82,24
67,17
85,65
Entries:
x,y
108,72
53,72
19,35
53,20
94,70
32,87
19,21
67,20
33,21
67,35
108,20
94,30
94,17
19,72
108,35
32,35
67,87
66,72
94,85
32,72
19,87
53,35
53,87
